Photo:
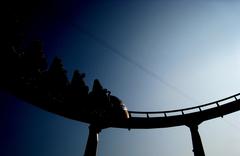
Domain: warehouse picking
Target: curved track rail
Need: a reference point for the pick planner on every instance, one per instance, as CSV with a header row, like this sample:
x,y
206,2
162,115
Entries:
x,y
185,116
27,84
190,117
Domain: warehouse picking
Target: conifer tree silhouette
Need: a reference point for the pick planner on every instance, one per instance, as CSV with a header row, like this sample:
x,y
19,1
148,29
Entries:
x,y
99,104
78,85
36,56
10,66
56,80
34,63
99,95
77,94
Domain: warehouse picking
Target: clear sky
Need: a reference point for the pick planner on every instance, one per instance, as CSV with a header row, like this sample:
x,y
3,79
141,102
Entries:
x,y
154,55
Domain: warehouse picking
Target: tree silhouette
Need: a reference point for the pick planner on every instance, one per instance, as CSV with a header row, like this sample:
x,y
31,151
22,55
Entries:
x,y
25,72
78,85
99,104
55,81
99,95
33,64
11,65
35,58
77,93
26,75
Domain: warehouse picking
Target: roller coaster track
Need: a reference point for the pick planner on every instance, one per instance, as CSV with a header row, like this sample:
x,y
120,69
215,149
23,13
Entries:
x,y
179,117
159,119
190,117
29,89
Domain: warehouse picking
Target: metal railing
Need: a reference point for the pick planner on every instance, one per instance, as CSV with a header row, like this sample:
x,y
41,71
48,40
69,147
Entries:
x,y
184,111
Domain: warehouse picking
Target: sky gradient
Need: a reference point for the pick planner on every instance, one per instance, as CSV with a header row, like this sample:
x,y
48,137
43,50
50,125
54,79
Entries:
x,y
154,55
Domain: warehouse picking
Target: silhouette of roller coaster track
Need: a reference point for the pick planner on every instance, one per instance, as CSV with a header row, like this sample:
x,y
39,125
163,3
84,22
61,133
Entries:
x,y
179,117
50,90
171,118
190,117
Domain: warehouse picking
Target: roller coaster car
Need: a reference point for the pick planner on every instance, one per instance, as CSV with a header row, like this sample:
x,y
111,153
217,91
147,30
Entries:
x,y
111,111
104,108
119,110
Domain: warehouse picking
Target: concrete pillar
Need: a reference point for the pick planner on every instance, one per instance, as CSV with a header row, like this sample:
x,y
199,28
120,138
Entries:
x,y
196,141
91,147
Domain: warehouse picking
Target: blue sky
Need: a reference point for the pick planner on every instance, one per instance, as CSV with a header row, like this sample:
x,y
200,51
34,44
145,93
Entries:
x,y
176,54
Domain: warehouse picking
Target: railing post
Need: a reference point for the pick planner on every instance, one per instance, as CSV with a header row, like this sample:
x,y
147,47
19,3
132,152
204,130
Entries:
x,y
92,142
196,141
200,109
147,115
165,114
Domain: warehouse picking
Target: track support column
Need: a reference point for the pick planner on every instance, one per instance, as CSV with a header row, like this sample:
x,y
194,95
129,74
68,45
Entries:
x,y
92,143
196,141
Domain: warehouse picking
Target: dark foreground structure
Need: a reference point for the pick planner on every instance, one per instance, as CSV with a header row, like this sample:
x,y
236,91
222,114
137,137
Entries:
x,y
27,76
172,118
